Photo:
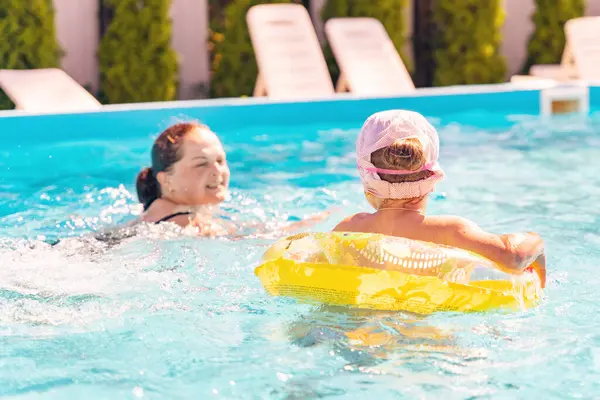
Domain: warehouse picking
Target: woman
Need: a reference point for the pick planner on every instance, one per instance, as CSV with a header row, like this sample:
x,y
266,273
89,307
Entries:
x,y
188,177
189,172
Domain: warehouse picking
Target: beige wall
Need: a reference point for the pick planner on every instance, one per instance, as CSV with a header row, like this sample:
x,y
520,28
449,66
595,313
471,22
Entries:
x,y
78,34
190,38
593,7
77,29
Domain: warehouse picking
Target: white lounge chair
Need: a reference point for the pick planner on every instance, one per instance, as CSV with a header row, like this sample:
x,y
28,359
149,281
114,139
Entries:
x,y
581,55
290,61
367,58
46,90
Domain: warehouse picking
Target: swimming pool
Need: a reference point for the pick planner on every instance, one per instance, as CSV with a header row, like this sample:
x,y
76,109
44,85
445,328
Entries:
x,y
186,318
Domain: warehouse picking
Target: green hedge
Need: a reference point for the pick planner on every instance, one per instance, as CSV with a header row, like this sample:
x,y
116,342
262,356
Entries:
x,y
137,63
233,65
548,39
28,38
391,13
467,42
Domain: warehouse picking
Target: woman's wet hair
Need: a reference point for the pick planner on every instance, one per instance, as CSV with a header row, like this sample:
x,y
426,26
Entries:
x,y
166,151
403,154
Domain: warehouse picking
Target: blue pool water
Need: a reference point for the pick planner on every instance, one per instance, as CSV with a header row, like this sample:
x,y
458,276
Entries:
x,y
185,318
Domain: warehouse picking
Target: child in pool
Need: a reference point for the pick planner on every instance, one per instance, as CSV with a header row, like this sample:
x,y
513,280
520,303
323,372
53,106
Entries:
x,y
397,154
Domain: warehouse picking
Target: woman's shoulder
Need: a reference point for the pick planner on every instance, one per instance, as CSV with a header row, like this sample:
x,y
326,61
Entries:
x,y
156,211
162,211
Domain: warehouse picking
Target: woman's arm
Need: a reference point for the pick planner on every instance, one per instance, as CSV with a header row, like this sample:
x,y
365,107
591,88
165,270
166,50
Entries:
x,y
264,229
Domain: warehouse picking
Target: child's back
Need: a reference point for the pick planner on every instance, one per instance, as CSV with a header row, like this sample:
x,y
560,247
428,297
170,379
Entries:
x,y
397,155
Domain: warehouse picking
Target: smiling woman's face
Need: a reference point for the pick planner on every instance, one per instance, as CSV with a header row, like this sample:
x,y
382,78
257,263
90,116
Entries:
x,y
201,176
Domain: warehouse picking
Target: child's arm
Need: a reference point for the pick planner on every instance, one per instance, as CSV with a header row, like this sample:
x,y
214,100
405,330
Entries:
x,y
512,252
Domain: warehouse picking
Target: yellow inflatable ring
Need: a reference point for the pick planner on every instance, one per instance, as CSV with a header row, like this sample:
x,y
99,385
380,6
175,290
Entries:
x,y
374,271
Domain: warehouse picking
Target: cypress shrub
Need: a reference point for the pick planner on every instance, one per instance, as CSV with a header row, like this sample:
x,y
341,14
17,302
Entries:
x,y
28,38
137,63
467,44
547,42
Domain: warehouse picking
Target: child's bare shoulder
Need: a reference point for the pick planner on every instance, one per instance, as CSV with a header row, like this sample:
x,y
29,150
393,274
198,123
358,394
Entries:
x,y
451,223
352,223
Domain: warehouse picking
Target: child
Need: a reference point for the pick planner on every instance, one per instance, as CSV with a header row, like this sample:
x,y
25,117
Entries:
x,y
397,154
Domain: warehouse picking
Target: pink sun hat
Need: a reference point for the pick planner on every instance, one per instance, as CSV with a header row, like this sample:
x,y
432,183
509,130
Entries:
x,y
381,130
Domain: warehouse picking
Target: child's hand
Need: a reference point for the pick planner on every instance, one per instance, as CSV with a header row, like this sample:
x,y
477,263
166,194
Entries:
x,y
530,246
539,267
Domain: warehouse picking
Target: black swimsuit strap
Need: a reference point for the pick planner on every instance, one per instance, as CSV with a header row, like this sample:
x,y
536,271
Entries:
x,y
168,217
